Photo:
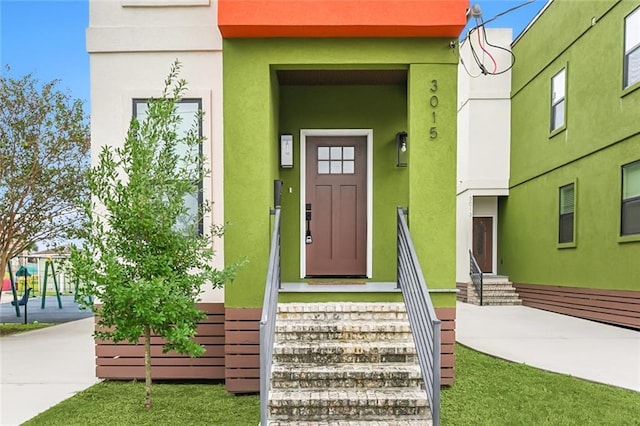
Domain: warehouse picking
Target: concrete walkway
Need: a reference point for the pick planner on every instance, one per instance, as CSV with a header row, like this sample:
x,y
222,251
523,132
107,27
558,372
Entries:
x,y
40,368
553,342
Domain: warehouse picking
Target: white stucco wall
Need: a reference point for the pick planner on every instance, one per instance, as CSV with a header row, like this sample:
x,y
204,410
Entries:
x,y
131,50
484,133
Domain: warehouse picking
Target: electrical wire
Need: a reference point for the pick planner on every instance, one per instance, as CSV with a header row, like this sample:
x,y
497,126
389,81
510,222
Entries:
x,y
481,26
495,65
513,57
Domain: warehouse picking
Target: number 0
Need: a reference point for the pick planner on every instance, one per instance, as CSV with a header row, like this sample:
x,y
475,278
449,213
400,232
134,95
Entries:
x,y
434,101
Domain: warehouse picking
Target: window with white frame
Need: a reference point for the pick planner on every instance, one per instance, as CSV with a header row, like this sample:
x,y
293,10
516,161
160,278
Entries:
x,y
189,112
567,211
558,88
630,209
632,48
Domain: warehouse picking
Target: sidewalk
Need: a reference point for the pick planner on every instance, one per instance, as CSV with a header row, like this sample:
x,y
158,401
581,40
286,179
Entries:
x,y
40,368
560,343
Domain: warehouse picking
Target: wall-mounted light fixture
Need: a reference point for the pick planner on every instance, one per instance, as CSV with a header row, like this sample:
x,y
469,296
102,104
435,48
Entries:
x,y
401,148
286,151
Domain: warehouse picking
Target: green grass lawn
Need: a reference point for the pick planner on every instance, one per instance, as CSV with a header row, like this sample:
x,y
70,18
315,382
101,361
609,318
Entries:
x,y
488,391
9,329
120,403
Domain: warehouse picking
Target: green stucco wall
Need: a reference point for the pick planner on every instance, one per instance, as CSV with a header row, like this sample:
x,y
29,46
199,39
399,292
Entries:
x,y
257,110
602,133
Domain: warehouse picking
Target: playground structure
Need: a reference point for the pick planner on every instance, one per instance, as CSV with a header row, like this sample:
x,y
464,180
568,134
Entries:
x,y
25,272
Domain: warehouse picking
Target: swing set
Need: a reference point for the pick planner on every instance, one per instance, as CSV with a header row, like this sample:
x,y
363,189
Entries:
x,y
24,272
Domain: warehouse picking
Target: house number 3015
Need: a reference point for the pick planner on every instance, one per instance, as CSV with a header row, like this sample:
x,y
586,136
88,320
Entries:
x,y
433,103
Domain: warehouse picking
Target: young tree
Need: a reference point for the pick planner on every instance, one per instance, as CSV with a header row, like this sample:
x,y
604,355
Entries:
x,y
44,146
143,256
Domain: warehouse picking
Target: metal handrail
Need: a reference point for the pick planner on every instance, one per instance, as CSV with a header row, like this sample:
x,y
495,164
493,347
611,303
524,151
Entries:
x,y
476,275
425,325
268,318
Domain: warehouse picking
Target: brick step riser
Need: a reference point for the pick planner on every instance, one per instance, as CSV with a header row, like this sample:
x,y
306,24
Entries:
x,y
346,412
334,358
333,383
342,336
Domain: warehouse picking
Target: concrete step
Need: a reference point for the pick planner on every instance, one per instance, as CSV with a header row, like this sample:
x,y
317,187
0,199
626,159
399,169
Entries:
x,y
340,352
341,311
341,329
495,279
339,405
405,421
334,376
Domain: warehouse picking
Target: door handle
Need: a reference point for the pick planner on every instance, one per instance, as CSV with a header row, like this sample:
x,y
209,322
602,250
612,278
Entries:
x,y
308,239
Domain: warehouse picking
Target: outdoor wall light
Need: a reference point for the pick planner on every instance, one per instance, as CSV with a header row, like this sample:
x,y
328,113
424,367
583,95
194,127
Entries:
x,y
401,148
286,151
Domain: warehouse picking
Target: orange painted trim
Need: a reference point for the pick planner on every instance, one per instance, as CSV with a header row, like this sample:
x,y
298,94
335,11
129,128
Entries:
x,y
341,18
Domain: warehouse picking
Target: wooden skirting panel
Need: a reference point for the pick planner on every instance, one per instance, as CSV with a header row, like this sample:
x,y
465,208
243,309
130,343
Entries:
x,y
447,318
124,361
242,350
617,307
461,296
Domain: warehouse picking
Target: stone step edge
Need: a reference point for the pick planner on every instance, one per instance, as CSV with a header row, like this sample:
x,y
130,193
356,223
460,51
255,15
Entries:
x,y
399,344
349,397
347,367
352,307
365,421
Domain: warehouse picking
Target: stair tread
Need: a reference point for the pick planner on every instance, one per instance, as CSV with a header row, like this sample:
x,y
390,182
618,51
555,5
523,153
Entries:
x,y
403,344
405,421
348,368
342,307
356,395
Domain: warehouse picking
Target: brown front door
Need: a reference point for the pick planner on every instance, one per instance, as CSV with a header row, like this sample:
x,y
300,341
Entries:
x,y
336,203
483,242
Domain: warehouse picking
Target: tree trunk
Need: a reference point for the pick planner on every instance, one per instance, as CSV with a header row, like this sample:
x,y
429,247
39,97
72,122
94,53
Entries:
x,y
147,366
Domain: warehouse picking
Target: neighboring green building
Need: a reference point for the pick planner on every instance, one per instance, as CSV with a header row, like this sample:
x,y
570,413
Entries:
x,y
569,231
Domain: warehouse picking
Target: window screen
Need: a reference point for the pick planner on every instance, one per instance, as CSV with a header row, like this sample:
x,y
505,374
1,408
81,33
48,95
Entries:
x,y
567,210
630,223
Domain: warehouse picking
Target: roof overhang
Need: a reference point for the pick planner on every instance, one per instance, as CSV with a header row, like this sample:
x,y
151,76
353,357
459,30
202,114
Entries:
x,y
341,18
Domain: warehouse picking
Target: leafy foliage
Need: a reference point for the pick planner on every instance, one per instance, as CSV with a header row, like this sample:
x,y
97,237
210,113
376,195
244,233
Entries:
x,y
44,147
144,257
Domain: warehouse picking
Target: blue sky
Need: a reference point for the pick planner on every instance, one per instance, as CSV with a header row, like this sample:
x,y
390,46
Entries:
x,y
47,37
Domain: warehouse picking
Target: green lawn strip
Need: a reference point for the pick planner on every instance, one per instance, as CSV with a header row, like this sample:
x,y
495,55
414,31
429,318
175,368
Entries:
x,y
491,391
9,329
121,403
